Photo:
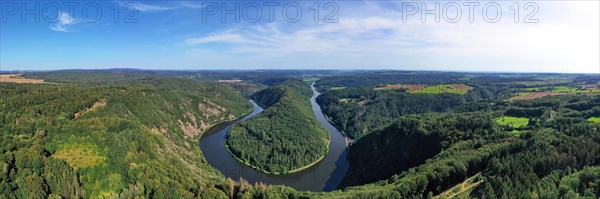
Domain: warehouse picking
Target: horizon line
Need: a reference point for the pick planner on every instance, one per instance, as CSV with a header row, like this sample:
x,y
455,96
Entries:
x,y
287,69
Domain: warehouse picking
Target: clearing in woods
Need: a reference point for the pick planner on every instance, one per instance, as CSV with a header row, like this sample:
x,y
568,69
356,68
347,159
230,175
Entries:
x,y
515,122
79,156
463,188
594,119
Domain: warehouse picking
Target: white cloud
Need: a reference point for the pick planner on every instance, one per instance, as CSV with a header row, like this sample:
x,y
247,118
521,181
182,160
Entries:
x,y
64,21
565,40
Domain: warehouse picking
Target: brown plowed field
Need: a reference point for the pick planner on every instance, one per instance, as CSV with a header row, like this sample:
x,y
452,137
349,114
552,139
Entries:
x,y
14,78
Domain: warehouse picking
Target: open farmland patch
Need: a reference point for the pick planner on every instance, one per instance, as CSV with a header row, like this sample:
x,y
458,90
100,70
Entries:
x,y
535,95
17,78
429,89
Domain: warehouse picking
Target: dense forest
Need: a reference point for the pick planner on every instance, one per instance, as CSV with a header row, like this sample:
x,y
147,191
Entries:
x,y
361,110
134,138
420,156
409,142
127,133
286,136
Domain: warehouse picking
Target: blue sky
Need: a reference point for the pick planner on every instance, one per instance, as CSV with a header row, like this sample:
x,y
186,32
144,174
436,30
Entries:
x,y
360,35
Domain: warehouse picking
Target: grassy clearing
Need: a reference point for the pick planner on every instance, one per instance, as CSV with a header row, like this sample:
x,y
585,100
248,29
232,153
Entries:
x,y
446,88
539,92
79,156
562,89
582,89
430,89
515,122
594,119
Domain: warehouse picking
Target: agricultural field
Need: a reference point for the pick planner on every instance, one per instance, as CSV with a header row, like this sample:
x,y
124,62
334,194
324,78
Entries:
x,y
429,89
540,92
515,122
565,89
542,83
18,78
535,95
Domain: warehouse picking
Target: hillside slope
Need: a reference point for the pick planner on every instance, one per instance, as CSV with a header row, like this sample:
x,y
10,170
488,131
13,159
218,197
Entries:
x,y
420,156
360,110
121,140
408,142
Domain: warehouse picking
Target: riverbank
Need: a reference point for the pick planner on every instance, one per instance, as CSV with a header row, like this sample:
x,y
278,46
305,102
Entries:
x,y
348,140
210,127
323,174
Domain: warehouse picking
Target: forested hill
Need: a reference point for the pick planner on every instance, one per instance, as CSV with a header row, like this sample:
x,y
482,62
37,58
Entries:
x,y
553,153
106,135
360,110
283,138
134,138
410,141
272,95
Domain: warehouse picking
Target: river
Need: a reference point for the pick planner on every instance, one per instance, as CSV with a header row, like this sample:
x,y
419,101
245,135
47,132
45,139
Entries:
x,y
323,176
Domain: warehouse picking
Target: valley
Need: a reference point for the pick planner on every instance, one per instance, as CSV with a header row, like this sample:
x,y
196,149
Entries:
x,y
357,99
157,134
323,175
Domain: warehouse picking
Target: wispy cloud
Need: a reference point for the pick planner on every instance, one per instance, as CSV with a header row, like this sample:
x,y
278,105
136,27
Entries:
x,y
225,38
64,21
144,7
235,37
384,39
150,8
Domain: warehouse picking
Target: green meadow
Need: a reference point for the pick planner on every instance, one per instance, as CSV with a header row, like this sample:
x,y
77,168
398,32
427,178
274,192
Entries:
x,y
594,119
515,122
